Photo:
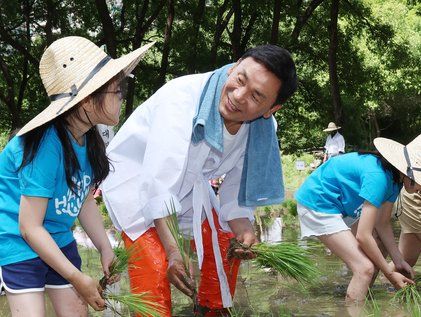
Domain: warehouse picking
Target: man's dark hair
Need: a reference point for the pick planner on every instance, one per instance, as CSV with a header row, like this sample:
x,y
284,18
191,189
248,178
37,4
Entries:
x,y
279,61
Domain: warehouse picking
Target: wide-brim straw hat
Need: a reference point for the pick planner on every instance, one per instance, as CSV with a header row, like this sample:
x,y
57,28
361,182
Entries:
x,y
71,69
407,159
331,127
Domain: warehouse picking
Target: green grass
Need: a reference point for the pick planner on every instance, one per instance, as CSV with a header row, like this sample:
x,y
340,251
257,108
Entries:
x,y
292,177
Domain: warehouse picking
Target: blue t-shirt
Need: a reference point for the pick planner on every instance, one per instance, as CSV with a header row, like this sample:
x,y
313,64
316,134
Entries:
x,y
343,183
43,177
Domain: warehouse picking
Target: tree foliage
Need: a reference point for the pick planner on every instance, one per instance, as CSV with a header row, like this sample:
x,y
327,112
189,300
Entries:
x,y
373,58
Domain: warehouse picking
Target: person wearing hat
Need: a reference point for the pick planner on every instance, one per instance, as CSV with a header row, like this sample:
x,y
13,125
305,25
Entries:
x,y
358,190
335,142
409,213
194,129
47,172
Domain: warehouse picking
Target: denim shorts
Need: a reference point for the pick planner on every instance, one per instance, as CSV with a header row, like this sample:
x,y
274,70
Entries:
x,y
34,275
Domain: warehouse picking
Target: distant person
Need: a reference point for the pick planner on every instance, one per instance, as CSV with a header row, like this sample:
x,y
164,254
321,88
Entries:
x,y
46,174
335,142
358,190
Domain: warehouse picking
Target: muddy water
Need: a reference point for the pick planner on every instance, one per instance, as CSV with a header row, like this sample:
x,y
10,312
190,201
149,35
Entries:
x,y
261,293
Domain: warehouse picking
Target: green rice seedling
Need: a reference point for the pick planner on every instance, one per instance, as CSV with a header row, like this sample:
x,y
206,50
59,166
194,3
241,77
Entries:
x,y
411,298
371,306
135,303
119,264
182,245
141,304
235,312
286,258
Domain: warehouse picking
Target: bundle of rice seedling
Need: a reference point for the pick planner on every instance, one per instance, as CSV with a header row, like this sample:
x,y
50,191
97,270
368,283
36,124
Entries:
x,y
182,244
135,303
286,258
119,264
410,297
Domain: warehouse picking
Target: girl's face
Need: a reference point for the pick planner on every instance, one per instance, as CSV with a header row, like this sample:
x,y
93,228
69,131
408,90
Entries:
x,y
104,106
109,114
410,186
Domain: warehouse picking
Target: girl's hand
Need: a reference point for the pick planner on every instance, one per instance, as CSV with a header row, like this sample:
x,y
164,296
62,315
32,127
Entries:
x,y
107,258
398,280
88,289
404,268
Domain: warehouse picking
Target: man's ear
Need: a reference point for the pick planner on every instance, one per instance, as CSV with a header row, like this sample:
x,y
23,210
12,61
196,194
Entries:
x,y
271,111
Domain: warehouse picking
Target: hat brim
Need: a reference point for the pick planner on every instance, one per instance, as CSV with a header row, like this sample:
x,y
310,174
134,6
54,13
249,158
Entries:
x,y
125,63
393,152
331,129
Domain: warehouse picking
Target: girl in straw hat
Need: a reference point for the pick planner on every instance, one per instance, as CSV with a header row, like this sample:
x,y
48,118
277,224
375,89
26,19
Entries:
x,y
47,172
358,190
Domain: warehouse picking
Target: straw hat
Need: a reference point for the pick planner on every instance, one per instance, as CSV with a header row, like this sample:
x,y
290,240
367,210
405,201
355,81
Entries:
x,y
71,69
331,127
407,159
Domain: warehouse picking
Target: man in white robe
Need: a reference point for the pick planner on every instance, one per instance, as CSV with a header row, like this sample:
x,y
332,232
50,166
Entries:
x,y
156,165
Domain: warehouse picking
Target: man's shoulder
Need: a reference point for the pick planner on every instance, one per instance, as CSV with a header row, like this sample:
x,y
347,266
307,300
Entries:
x,y
187,82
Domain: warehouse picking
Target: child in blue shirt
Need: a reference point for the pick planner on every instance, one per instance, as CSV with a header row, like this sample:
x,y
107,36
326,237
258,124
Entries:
x,y
360,189
47,172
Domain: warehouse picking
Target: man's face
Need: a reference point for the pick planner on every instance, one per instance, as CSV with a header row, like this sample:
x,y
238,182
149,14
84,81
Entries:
x,y
249,93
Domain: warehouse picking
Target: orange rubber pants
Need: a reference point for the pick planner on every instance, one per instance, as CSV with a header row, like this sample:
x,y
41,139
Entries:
x,y
148,268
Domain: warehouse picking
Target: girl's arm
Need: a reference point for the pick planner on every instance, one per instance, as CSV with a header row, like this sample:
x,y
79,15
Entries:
x,y
91,221
31,217
368,244
384,230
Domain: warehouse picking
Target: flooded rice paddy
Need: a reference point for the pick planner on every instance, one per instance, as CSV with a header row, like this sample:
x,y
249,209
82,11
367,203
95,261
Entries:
x,y
263,293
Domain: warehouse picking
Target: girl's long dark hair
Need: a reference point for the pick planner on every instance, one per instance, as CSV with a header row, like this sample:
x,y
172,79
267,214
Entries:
x,y
95,150
396,174
95,145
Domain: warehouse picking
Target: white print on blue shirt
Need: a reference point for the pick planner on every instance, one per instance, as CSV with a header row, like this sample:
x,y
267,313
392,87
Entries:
x,y
72,202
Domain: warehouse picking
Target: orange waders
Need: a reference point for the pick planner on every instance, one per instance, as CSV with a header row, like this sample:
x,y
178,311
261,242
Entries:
x,y
148,272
